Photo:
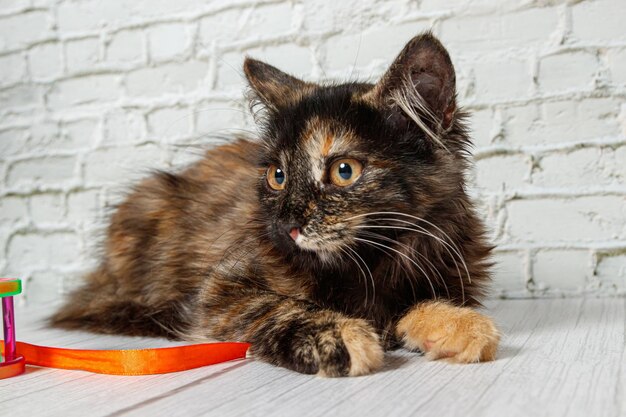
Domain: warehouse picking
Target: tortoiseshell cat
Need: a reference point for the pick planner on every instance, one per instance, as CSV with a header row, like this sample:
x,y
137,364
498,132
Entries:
x,y
344,231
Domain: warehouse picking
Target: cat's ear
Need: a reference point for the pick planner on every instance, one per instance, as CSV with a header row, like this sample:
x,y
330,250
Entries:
x,y
420,85
270,85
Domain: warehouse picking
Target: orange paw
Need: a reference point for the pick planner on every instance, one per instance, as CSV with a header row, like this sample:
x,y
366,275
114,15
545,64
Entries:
x,y
441,330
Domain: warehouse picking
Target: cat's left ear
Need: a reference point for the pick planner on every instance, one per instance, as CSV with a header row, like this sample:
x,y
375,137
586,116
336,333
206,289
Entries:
x,y
420,85
273,87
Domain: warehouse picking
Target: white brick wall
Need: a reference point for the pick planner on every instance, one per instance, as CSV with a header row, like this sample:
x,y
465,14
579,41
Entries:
x,y
95,93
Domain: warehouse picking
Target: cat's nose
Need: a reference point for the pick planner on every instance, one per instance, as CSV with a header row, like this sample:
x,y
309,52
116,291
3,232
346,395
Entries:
x,y
294,233
293,230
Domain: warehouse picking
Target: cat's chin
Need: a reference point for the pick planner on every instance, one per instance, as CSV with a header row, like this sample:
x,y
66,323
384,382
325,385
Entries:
x,y
326,252
318,245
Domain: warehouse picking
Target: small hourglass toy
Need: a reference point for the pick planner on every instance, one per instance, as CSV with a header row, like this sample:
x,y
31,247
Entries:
x,y
112,362
13,363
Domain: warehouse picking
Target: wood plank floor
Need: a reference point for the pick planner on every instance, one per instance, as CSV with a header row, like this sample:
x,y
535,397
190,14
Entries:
x,y
557,358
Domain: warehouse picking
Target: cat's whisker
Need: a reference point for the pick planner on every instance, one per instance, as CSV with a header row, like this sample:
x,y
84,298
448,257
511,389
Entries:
x,y
251,249
447,246
362,272
225,233
412,250
396,262
237,243
416,252
401,254
424,232
451,243
369,272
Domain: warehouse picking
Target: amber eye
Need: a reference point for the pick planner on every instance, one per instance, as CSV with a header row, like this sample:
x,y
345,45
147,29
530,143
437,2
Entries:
x,y
276,177
345,171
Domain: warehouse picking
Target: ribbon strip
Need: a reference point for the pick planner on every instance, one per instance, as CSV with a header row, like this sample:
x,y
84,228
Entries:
x,y
132,361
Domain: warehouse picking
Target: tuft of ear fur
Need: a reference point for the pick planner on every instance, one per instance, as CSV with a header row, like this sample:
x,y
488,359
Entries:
x,y
419,86
270,85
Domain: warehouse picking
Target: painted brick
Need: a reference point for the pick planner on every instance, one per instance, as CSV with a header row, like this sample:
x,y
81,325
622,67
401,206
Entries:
x,y
23,29
168,41
143,9
598,21
617,65
291,58
349,15
218,118
581,119
461,6
13,142
13,5
346,51
240,24
582,167
121,166
47,208
78,134
12,69
168,122
220,27
279,17
83,206
509,272
13,209
44,137
485,127
39,250
125,46
49,170
500,31
230,71
123,126
21,96
43,287
519,122
582,219
95,14
562,270
45,61
611,271
567,71
85,90
561,121
82,54
502,172
167,79
90,14
501,79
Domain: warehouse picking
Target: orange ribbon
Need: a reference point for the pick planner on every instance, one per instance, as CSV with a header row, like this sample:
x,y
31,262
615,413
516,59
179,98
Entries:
x,y
132,361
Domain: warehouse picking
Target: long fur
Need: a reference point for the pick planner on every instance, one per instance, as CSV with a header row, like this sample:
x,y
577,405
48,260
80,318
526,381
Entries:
x,y
203,253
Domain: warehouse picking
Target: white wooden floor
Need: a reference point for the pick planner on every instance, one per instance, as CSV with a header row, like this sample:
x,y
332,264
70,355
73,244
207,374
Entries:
x,y
557,358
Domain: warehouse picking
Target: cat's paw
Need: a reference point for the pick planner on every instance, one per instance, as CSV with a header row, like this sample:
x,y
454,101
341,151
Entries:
x,y
458,334
362,346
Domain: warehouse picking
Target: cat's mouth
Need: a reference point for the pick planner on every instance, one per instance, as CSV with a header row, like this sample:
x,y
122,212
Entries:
x,y
319,244
325,244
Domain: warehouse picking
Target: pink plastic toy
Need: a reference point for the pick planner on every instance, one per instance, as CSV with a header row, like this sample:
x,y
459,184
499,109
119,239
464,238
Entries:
x,y
13,363
114,362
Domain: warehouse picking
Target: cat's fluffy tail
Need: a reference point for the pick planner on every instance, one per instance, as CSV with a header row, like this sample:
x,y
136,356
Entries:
x,y
97,307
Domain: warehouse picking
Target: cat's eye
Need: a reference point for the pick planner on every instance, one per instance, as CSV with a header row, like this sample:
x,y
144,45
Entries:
x,y
345,171
276,177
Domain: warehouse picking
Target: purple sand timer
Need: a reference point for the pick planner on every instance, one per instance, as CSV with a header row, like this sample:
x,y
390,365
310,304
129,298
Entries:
x,y
13,363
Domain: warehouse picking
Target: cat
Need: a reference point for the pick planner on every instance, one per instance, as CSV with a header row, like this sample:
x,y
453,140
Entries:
x,y
343,231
